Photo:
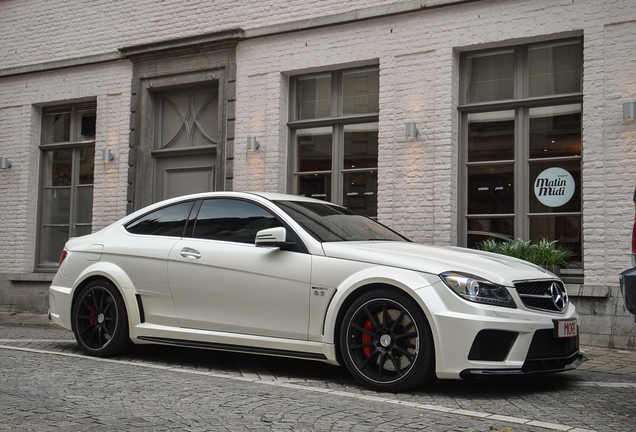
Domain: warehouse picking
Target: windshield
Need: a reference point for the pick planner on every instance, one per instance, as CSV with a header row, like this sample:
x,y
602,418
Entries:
x,y
329,223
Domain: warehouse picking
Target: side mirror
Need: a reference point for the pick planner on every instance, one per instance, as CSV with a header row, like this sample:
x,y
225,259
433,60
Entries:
x,y
272,237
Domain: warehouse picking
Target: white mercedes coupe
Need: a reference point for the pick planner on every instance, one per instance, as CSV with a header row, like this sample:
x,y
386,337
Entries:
x,y
291,276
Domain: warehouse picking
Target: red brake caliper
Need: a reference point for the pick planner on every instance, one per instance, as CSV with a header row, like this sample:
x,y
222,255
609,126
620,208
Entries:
x,y
366,338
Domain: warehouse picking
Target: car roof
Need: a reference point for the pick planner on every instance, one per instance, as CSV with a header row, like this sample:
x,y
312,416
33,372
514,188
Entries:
x,y
270,196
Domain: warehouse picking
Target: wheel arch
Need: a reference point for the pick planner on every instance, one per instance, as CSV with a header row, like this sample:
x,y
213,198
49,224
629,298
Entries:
x,y
119,280
350,299
354,294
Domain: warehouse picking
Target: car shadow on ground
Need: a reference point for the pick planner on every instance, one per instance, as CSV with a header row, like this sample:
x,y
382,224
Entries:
x,y
305,371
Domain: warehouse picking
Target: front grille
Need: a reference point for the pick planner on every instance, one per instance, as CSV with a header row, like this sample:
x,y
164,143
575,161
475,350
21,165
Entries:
x,y
540,295
548,352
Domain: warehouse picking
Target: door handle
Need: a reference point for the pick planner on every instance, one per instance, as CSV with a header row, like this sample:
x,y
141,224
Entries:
x,y
190,253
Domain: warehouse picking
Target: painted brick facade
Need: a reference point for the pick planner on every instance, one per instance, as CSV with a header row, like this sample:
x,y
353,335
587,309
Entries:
x,y
418,55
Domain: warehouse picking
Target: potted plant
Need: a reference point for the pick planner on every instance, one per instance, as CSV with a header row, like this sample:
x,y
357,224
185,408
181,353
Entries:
x,y
544,253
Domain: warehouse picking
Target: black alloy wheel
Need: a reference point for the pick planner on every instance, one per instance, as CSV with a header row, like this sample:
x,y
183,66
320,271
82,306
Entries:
x,y
100,322
386,342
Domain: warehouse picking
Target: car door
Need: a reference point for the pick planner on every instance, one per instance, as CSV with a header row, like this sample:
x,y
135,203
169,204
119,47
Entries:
x,y
221,281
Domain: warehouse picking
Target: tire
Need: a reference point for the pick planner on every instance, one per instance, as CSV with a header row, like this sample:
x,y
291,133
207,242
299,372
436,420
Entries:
x,y
386,342
100,321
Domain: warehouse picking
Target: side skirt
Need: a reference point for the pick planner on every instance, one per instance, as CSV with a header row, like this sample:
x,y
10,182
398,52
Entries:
x,y
234,348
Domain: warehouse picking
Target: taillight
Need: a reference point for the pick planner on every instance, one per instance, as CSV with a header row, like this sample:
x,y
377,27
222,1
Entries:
x,y
63,256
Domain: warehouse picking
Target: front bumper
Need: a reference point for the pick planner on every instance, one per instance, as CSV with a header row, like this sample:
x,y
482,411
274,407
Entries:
x,y
546,354
479,340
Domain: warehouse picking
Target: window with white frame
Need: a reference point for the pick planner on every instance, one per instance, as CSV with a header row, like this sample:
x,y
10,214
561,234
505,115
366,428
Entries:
x,y
67,176
520,140
334,137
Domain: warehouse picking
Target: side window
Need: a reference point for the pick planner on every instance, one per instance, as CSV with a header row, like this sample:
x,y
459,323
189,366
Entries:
x,y
232,220
168,221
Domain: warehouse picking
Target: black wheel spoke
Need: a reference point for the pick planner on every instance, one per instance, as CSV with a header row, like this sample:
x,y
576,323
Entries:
x,y
372,318
398,320
368,359
88,305
408,354
395,364
90,326
406,335
107,308
363,330
362,345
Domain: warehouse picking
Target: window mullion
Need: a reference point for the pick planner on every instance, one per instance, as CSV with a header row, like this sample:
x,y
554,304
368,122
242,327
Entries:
x,y
337,138
521,146
74,182
522,169
338,158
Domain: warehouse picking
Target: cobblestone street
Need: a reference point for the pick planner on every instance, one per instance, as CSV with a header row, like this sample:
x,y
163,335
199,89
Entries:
x,y
48,384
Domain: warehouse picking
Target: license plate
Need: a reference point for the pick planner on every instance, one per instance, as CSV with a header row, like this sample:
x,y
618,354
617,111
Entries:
x,y
567,328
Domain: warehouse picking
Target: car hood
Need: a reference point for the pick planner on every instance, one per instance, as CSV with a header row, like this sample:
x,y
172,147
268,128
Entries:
x,y
496,268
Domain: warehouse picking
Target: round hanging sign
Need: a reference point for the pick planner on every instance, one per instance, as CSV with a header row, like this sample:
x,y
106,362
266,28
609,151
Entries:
x,y
554,187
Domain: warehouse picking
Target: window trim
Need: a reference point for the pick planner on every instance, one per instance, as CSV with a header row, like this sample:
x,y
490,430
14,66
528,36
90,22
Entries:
x,y
337,120
521,104
74,109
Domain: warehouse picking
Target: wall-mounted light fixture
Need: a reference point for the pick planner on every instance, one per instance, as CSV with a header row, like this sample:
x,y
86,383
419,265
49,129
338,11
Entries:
x,y
107,155
5,163
252,144
411,131
629,111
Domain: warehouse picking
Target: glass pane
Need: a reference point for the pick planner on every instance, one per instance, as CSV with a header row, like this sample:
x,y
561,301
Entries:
x,y
361,192
167,221
232,220
87,126
361,146
314,149
57,128
315,186
491,136
56,206
555,131
490,76
491,189
328,223
565,229
52,244
84,205
499,229
59,168
360,91
555,187
87,166
313,96
555,68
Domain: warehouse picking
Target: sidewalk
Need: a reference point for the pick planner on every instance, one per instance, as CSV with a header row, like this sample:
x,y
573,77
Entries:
x,y
605,360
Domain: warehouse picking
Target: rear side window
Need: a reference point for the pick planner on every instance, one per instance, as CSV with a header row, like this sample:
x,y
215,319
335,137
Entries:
x,y
167,221
232,220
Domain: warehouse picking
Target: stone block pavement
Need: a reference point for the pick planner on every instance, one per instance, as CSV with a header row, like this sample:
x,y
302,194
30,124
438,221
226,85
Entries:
x,y
604,360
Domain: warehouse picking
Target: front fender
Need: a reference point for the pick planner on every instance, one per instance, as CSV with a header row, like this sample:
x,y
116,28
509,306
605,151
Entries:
x,y
404,280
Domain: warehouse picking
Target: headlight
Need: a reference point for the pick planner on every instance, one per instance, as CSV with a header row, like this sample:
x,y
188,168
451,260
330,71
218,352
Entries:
x,y
478,290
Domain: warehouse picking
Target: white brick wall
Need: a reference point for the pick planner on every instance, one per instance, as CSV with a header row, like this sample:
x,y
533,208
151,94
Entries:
x,y
48,30
20,116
